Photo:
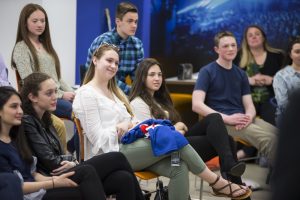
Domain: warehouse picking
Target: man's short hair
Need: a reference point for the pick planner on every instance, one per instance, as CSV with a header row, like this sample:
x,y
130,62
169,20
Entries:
x,y
222,34
123,8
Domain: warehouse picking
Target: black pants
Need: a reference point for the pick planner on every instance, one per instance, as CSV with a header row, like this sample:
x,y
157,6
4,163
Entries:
x,y
89,186
102,175
116,175
209,137
266,111
10,187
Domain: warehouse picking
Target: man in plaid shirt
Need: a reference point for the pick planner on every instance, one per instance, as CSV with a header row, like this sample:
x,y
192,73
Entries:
x,y
131,48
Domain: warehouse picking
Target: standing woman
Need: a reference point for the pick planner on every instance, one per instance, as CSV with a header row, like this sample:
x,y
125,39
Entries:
x,y
33,52
150,98
105,115
16,158
39,100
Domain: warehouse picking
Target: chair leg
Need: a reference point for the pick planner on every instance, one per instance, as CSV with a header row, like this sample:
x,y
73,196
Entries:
x,y
201,189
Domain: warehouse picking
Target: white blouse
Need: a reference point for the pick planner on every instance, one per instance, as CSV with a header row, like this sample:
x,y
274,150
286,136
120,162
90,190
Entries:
x,y
99,116
140,109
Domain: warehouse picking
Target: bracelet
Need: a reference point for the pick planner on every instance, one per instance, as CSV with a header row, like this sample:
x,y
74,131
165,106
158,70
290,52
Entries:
x,y
52,182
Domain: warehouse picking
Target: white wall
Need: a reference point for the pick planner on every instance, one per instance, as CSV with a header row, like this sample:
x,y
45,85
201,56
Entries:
x,y
62,20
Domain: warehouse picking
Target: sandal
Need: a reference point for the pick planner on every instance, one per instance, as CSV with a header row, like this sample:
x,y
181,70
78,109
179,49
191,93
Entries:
x,y
217,193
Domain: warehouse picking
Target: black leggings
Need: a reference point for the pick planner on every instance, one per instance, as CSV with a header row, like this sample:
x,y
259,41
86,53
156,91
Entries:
x,y
89,186
107,174
209,137
116,175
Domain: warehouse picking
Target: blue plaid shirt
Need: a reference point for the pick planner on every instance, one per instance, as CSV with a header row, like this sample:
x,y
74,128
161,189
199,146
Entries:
x,y
131,54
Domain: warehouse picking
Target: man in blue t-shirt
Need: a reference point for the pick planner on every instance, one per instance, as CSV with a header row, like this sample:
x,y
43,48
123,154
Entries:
x,y
131,49
223,87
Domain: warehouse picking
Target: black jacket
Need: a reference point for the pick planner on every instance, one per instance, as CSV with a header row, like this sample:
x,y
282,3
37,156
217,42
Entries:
x,y
44,144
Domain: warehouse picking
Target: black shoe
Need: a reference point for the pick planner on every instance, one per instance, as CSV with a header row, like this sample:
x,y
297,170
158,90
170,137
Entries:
x,y
238,169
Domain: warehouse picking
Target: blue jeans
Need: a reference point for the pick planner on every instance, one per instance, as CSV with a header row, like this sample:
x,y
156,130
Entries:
x,y
63,109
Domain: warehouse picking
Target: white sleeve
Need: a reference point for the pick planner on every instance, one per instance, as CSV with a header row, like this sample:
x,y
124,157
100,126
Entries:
x,y
86,107
140,109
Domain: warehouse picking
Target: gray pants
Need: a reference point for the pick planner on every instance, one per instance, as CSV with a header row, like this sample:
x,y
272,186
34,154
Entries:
x,y
140,156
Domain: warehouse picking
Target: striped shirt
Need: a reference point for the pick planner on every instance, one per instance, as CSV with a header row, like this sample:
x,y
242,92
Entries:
x,y
131,54
285,82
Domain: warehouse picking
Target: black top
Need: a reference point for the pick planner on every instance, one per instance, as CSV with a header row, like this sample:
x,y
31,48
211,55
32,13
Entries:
x,y
44,144
271,66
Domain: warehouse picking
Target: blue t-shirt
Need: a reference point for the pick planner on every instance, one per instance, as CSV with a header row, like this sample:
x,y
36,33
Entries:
x,y
224,88
10,160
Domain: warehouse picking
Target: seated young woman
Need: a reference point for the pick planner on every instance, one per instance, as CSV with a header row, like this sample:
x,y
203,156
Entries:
x,y
106,115
39,99
150,98
287,80
15,158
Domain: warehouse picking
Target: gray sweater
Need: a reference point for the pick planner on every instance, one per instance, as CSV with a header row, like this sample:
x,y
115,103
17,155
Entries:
x,y
25,65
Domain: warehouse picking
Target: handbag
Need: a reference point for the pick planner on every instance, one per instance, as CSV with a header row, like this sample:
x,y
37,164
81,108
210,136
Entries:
x,y
161,191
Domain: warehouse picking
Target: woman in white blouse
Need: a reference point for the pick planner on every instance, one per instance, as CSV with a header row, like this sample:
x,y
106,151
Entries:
x,y
105,115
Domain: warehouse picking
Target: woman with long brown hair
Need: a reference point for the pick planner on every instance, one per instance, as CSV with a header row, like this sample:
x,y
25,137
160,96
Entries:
x,y
150,98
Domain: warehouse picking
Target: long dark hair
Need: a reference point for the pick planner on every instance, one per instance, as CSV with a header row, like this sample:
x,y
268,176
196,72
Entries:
x,y
293,40
16,133
161,96
45,38
32,84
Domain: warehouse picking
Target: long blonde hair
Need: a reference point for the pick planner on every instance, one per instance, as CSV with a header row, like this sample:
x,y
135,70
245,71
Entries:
x,y
246,55
112,84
